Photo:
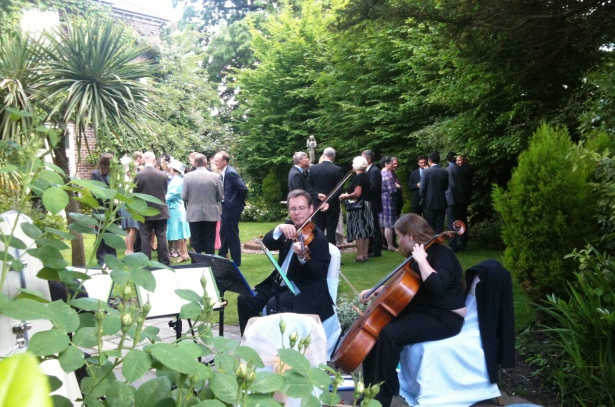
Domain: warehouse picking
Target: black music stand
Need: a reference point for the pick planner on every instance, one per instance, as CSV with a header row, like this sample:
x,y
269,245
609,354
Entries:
x,y
227,276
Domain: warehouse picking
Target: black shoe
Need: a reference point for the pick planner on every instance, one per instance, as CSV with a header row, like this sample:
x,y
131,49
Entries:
x,y
374,255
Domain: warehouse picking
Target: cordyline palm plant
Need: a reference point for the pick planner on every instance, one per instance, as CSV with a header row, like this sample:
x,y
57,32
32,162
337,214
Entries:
x,y
92,77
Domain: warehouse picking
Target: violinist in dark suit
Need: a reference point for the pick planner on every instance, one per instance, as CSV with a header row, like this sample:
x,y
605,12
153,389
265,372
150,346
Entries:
x,y
235,194
307,274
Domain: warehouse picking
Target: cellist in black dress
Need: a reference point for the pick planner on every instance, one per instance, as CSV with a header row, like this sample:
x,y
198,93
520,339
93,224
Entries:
x,y
437,311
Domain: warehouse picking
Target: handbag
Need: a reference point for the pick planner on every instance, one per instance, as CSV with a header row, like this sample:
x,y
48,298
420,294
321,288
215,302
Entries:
x,y
354,205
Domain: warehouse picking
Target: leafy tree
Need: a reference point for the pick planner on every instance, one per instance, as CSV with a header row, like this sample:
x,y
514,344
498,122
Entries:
x,y
547,213
275,105
92,77
186,102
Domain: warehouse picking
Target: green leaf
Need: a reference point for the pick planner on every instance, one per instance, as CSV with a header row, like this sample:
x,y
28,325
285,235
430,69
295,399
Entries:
x,y
111,324
136,364
55,200
8,168
48,273
115,241
226,362
61,234
152,391
267,382
189,295
120,395
71,359
223,344
190,310
174,358
113,262
54,383
17,265
61,401
225,387
310,401
23,384
81,228
89,304
31,230
151,332
143,278
64,317
89,185
50,241
250,356
262,400
204,372
329,399
48,342
295,359
12,241
84,219
86,337
136,260
50,256
212,403
26,310
319,378
297,385
51,177
192,348
32,295
148,198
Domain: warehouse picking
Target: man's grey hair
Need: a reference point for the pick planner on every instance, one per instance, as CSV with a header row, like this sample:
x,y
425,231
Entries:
x,y
329,152
298,156
200,160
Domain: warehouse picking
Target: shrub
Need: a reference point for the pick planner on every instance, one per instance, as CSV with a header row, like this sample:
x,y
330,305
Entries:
x,y
488,233
584,332
257,210
547,211
272,190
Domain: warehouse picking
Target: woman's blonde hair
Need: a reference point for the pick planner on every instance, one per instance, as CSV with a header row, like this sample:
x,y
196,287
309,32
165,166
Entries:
x,y
359,163
413,224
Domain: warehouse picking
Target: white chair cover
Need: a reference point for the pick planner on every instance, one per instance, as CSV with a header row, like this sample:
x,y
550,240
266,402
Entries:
x,y
448,373
263,335
28,279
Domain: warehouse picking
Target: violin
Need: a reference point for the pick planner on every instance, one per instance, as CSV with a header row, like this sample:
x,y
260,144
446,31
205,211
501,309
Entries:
x,y
305,233
400,286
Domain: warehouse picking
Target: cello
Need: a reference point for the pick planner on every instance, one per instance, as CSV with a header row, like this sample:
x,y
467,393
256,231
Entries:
x,y
400,286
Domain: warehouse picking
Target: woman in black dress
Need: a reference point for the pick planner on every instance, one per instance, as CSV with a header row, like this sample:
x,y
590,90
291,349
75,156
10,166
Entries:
x,y
437,310
360,222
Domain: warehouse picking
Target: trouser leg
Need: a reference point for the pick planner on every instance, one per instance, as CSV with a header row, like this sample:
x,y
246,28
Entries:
x,y
160,227
248,307
145,232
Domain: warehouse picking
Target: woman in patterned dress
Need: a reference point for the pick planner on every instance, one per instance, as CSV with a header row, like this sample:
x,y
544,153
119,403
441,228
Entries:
x,y
360,222
178,230
390,188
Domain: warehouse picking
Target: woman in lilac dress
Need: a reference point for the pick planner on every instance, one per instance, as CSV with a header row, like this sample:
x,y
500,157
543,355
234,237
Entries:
x,y
390,187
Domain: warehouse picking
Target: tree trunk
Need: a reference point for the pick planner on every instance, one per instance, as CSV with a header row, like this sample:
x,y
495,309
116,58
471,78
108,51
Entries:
x,y
61,160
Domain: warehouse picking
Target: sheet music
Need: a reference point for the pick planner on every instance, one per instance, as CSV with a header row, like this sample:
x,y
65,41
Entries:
x,y
164,301
291,285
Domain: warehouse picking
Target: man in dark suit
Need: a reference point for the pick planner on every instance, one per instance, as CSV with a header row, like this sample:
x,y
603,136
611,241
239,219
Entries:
x,y
434,184
322,179
375,191
298,173
235,193
414,185
466,176
309,276
452,197
154,182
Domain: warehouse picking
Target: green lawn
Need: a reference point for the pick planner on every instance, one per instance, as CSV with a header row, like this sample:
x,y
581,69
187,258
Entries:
x,y
256,267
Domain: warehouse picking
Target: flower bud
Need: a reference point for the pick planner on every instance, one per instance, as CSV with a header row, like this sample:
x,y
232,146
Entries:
x,y
204,283
282,326
147,307
100,316
359,388
127,292
375,390
250,377
307,341
127,320
241,371
293,339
